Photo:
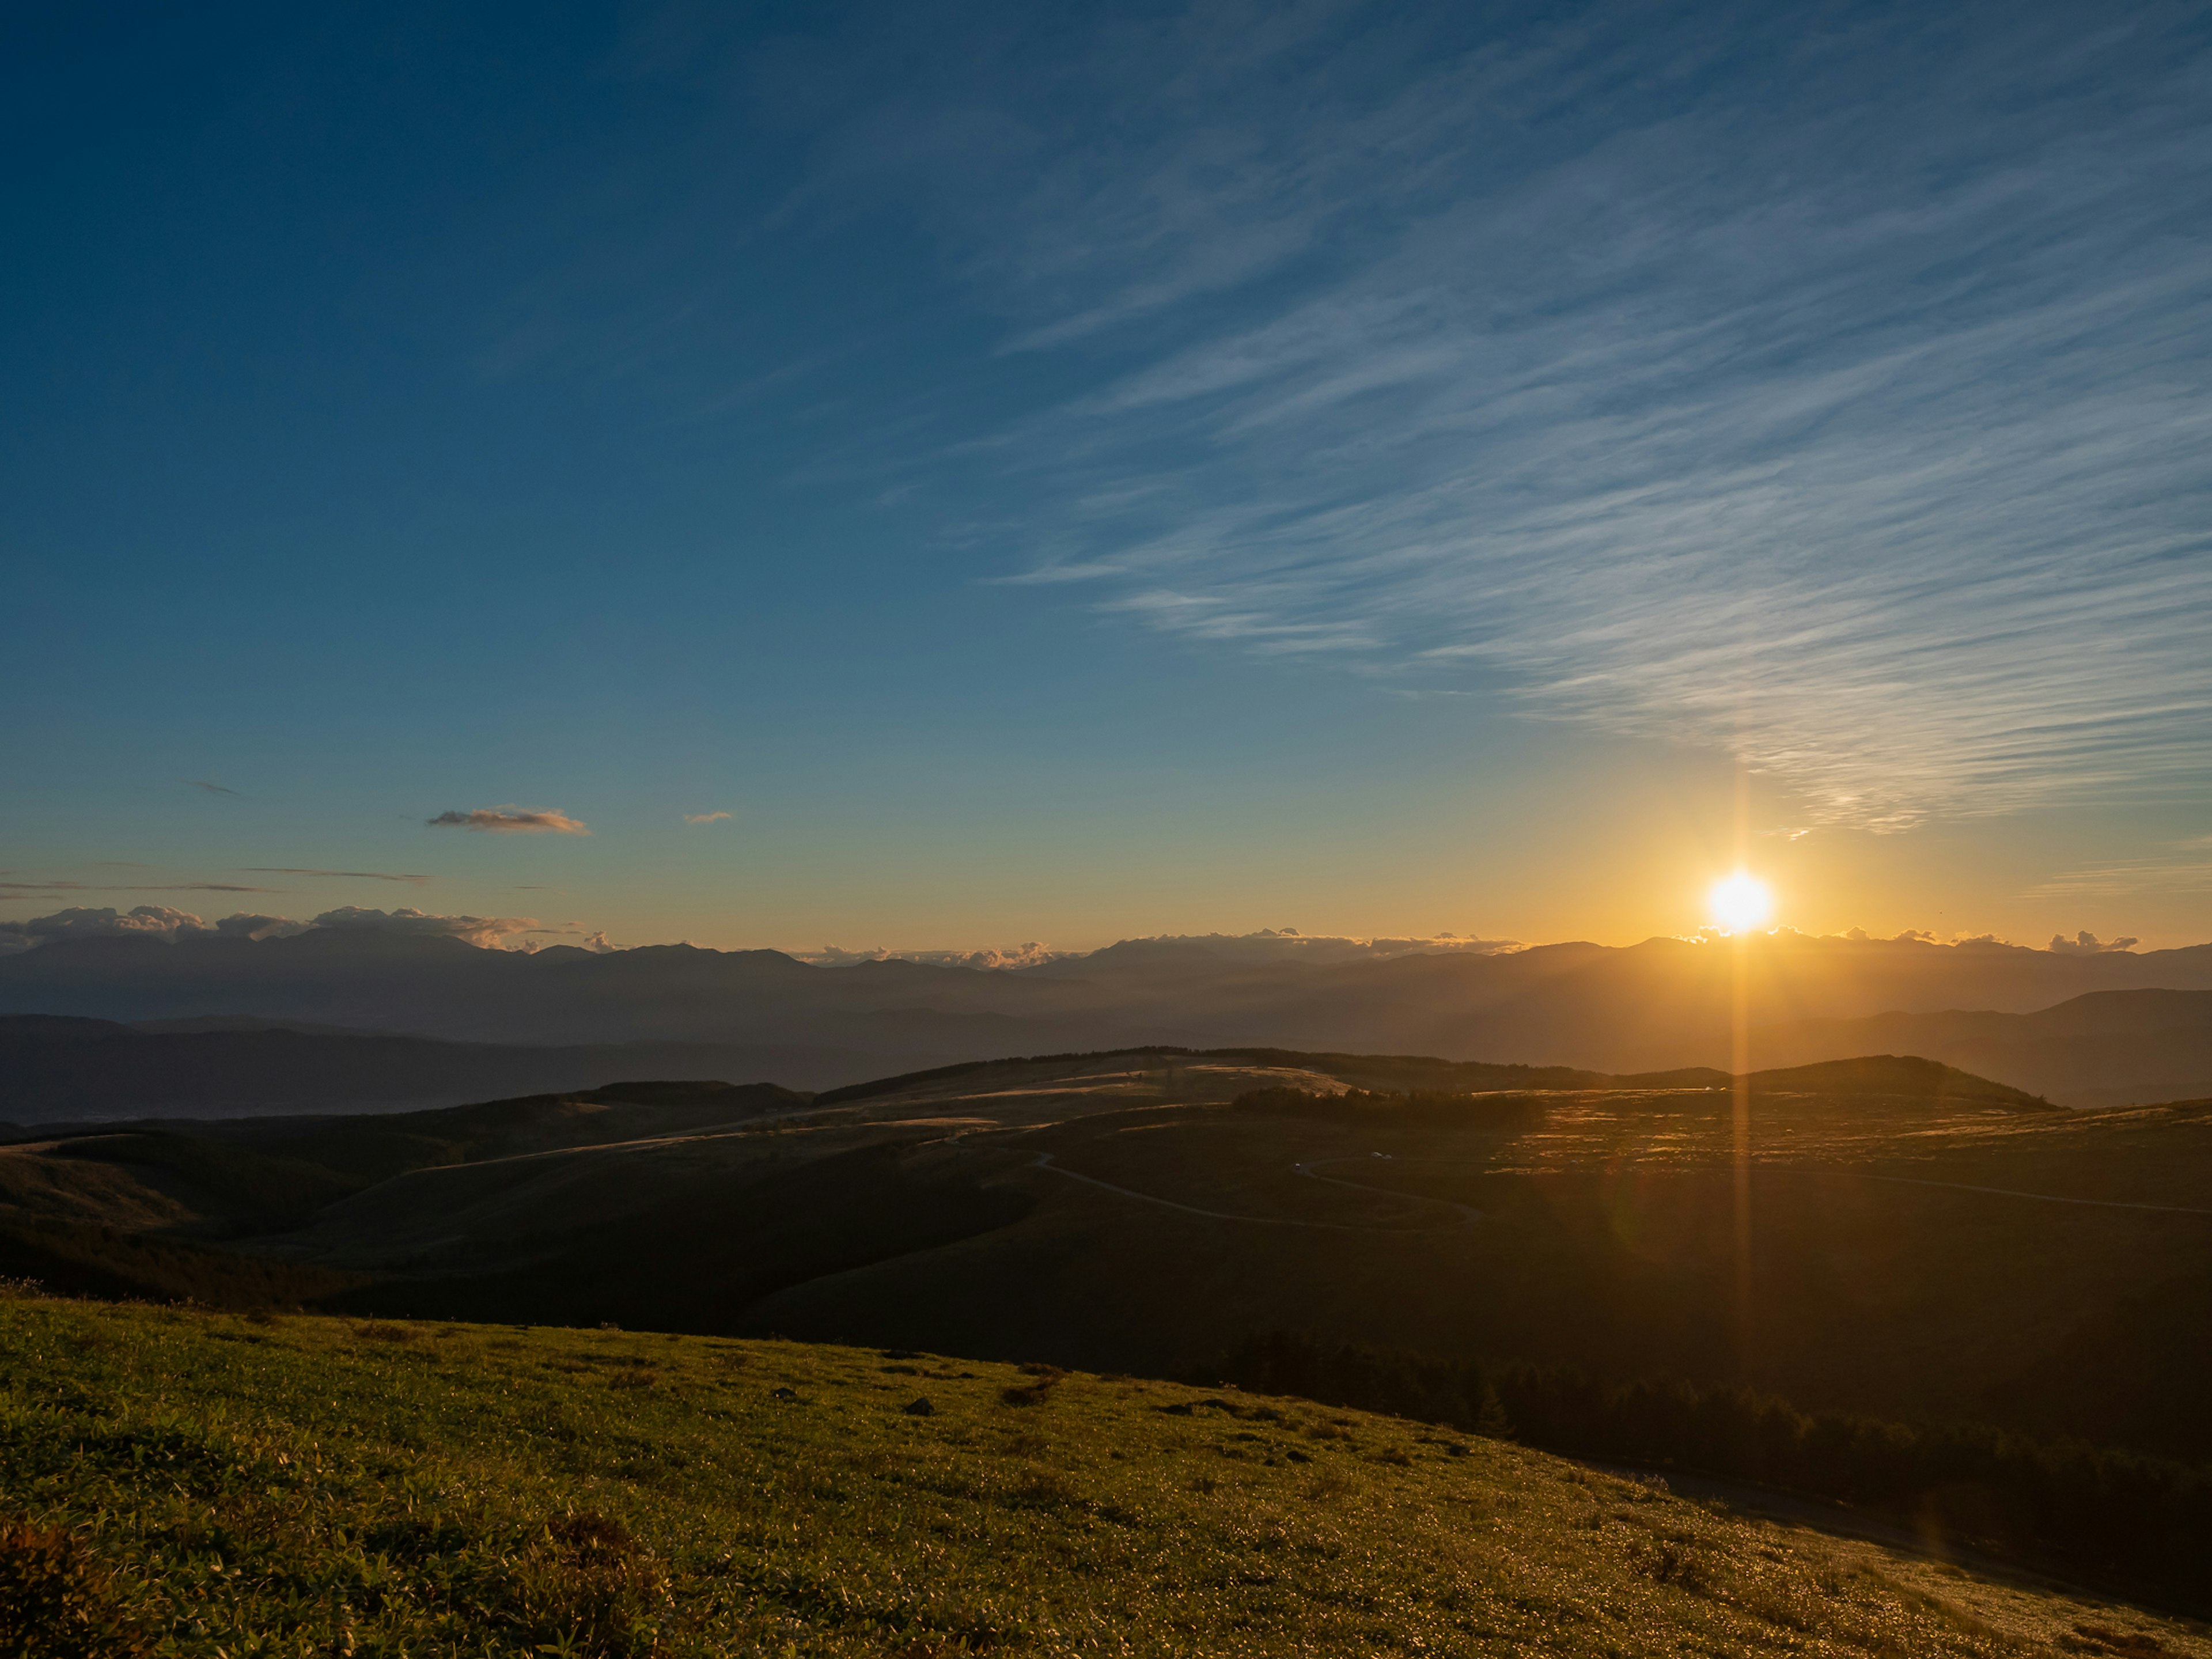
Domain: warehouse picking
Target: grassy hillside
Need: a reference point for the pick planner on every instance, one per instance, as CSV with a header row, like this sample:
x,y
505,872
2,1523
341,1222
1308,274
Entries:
x,y
204,1484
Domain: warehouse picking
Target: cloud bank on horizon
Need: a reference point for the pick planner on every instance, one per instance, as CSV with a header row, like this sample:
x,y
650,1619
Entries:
x,y
1827,385
1268,946
169,925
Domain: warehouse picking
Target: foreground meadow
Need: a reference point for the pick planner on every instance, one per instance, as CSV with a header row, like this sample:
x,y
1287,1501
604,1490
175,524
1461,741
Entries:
x,y
180,1482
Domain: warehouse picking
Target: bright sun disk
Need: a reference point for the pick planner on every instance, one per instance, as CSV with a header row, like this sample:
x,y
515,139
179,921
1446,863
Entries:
x,y
1739,902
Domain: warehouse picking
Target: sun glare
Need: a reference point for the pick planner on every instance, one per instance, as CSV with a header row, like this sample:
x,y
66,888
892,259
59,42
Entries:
x,y
1739,902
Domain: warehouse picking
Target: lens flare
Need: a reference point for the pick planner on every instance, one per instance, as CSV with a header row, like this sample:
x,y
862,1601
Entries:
x,y
1739,902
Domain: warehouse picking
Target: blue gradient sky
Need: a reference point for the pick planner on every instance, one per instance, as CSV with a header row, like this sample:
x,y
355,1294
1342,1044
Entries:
x,y
1367,469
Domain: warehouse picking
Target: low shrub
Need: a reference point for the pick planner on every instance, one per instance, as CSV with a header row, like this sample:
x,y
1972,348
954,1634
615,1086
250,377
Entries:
x,y
55,1601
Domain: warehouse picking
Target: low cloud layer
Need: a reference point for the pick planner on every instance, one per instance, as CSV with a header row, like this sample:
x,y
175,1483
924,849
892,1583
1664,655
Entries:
x,y
161,923
78,922
1031,954
2086,944
1288,945
1268,944
512,821
2083,944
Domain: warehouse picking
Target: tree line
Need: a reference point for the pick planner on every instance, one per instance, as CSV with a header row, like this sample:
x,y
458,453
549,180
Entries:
x,y
2139,1521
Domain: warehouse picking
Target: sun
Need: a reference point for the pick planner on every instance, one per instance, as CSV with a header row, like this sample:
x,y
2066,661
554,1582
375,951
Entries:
x,y
1739,902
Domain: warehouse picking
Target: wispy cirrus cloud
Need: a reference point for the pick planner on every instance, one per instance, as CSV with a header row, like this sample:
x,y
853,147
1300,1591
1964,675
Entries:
x,y
132,887
2182,867
359,875
213,788
1839,396
705,818
1050,576
511,821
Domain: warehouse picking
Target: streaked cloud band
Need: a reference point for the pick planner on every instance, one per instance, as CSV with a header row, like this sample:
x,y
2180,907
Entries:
x,y
1852,413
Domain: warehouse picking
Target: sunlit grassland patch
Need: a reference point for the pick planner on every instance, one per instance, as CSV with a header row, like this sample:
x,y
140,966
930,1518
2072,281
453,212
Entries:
x,y
307,1485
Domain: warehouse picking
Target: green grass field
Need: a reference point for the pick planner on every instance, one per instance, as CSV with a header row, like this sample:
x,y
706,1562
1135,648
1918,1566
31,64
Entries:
x,y
175,1481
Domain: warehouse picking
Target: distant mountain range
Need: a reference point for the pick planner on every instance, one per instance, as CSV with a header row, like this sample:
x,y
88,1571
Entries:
x,y
61,1070
2107,1049
365,1018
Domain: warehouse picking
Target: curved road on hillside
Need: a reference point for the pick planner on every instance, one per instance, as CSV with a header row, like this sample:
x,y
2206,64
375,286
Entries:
x,y
1994,1192
1468,1215
1044,1161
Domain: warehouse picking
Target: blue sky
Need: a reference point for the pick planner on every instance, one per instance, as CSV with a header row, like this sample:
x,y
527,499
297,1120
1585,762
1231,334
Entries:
x,y
1370,469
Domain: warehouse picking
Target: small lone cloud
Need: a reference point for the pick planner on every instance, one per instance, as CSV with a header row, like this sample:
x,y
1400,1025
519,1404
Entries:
x,y
360,875
704,817
512,821
2086,944
214,788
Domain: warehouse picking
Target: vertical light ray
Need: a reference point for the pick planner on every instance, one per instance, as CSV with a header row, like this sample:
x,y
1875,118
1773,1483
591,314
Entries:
x,y
1740,1070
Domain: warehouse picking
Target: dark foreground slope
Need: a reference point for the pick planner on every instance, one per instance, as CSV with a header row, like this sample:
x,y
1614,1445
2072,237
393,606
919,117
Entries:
x,y
205,1484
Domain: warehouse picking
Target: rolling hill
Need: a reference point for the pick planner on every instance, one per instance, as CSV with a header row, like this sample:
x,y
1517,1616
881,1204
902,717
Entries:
x,y
2107,1049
